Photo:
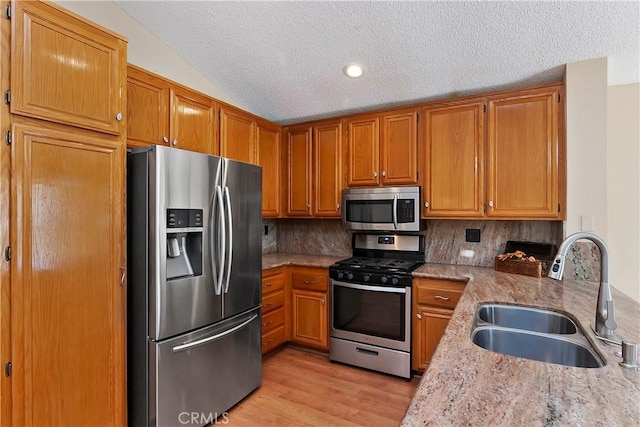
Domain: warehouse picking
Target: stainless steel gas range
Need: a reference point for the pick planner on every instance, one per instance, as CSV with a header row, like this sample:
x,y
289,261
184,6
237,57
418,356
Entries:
x,y
371,303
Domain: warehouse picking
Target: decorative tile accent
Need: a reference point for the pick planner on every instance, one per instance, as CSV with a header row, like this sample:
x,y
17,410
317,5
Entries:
x,y
269,244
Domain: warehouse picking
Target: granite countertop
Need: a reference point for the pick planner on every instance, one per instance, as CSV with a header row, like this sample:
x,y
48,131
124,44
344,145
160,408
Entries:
x,y
280,259
467,385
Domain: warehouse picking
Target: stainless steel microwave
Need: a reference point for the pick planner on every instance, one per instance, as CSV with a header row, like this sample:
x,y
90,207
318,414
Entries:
x,y
382,209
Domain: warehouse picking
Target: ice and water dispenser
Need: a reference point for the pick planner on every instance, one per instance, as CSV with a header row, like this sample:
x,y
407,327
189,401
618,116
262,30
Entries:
x,y
184,243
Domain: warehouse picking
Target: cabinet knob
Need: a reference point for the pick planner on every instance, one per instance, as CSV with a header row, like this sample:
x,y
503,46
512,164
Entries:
x,y
419,316
322,301
384,173
490,203
119,116
337,206
174,142
308,206
375,174
426,204
165,139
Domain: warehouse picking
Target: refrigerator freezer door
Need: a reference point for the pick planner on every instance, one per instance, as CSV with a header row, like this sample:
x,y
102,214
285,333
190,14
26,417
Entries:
x,y
206,372
242,189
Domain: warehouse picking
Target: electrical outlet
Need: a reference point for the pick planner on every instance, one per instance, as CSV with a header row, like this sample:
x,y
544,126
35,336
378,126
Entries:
x,y
587,223
266,230
473,234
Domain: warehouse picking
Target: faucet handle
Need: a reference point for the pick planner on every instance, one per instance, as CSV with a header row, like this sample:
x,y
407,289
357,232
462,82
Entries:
x,y
610,321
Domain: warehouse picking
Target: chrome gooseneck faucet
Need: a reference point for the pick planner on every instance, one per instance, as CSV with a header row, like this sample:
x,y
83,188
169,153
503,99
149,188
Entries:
x,y
605,320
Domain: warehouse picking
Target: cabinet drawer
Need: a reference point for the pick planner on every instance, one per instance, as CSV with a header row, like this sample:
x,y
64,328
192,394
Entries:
x,y
273,339
309,281
272,283
438,293
272,301
272,320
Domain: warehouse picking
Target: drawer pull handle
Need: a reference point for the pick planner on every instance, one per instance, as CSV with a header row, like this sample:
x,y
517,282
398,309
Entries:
x,y
267,343
267,305
441,297
267,323
308,282
268,285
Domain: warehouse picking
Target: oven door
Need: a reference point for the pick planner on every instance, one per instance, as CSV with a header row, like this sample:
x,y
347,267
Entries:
x,y
377,315
382,209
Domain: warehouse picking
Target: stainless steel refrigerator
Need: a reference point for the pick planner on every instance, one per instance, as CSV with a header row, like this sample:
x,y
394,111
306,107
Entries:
x,y
195,265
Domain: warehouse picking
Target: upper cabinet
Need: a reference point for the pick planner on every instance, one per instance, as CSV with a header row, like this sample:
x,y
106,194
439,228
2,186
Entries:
x,y
237,135
523,154
382,149
452,160
268,154
495,157
162,112
65,70
314,170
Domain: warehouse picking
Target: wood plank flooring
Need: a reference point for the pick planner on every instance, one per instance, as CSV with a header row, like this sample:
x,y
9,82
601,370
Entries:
x,y
302,388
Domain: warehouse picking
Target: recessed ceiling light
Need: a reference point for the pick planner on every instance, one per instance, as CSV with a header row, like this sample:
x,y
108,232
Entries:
x,y
353,70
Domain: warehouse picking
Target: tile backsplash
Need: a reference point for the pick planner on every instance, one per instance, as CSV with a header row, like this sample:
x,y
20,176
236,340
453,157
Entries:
x,y
445,241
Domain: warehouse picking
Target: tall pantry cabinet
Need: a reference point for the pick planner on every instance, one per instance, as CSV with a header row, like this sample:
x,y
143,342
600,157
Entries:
x,y
66,254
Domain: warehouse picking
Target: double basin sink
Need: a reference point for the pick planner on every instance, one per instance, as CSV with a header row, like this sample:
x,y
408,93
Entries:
x,y
533,333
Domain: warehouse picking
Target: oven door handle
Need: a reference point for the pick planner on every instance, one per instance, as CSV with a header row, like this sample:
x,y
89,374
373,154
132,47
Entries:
x,y
371,288
395,211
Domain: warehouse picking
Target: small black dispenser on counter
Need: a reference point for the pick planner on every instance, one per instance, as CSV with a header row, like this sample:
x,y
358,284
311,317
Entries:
x,y
184,243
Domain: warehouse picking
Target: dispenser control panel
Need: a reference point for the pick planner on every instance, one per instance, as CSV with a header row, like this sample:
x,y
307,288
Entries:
x,y
184,218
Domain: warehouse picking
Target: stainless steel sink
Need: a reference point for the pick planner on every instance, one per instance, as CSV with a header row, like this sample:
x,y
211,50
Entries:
x,y
533,333
527,318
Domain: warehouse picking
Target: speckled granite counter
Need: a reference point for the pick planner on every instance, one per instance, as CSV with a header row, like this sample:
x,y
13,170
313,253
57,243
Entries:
x,y
467,385
280,259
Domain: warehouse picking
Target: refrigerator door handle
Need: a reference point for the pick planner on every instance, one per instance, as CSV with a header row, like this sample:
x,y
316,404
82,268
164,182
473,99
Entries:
x,y
187,346
221,243
230,239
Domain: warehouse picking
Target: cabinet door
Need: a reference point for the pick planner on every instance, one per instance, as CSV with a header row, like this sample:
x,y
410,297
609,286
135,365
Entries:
x,y
327,160
237,135
268,154
67,299
452,159
398,148
310,318
299,155
522,156
147,109
429,325
363,152
65,70
193,125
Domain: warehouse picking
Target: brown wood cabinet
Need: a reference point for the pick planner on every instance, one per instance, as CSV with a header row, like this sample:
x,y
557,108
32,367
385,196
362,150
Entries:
x,y
237,135
382,149
452,160
523,152
274,309
65,69
166,113
68,299
433,303
310,307
268,154
315,173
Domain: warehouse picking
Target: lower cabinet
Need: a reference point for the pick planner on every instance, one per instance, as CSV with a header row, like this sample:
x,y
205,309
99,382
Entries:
x,y
433,303
273,309
295,306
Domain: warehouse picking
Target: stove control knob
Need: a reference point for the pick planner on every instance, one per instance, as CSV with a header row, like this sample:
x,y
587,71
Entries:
x,y
383,279
350,276
340,274
394,281
366,277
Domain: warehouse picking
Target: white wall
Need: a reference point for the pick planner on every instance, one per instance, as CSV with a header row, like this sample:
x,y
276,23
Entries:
x,y
144,49
586,89
623,187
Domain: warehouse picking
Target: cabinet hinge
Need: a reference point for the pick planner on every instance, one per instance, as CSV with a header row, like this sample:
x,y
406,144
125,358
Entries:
x,y
417,175
7,253
8,137
7,11
7,97
417,118
219,115
8,369
484,108
558,98
558,207
484,208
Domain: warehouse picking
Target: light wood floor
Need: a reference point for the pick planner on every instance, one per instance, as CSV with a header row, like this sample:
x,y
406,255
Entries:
x,y
302,388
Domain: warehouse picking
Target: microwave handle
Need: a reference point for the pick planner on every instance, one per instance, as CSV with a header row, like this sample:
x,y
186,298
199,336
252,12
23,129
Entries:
x,y
395,211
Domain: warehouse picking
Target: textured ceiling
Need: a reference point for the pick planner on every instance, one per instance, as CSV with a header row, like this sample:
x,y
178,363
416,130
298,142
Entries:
x,y
284,60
